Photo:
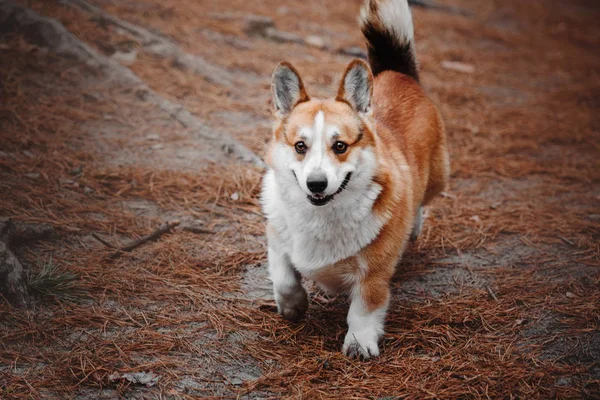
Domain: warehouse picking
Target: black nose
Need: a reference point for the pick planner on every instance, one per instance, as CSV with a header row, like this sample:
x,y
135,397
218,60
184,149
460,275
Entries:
x,y
316,184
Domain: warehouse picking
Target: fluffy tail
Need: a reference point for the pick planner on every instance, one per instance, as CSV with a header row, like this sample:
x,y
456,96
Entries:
x,y
388,28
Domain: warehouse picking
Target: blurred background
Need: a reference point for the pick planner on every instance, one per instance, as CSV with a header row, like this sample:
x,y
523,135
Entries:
x,y
132,245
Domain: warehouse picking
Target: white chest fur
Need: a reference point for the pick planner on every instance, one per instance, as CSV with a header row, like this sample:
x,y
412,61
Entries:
x,y
315,237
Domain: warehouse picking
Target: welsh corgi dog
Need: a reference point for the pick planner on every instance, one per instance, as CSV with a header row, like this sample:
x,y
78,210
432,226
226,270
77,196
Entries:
x,y
349,176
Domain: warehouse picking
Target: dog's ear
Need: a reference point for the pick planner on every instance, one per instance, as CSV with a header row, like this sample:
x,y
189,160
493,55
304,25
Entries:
x,y
356,87
288,89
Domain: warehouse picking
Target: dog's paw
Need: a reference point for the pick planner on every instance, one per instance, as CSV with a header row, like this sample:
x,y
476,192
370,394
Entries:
x,y
361,344
293,307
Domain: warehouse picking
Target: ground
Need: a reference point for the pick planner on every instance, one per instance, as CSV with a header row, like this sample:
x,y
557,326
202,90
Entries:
x,y
498,298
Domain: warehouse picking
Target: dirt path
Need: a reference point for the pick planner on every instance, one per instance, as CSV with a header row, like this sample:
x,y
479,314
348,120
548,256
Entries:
x,y
500,297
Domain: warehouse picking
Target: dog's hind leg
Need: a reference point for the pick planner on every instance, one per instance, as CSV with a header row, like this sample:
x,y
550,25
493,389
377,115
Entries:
x,y
418,225
290,296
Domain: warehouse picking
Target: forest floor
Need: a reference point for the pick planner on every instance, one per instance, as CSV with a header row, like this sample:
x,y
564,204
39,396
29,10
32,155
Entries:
x,y
499,297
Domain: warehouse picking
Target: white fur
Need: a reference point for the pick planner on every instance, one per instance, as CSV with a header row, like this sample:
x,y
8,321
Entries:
x,y
364,327
306,238
281,272
317,236
392,14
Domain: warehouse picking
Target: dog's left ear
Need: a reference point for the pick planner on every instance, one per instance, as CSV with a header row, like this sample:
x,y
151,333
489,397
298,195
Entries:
x,y
356,87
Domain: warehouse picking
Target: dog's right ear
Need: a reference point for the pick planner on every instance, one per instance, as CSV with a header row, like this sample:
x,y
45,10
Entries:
x,y
288,89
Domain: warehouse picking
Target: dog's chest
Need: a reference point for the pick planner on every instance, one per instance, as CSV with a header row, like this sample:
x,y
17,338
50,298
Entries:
x,y
315,237
324,238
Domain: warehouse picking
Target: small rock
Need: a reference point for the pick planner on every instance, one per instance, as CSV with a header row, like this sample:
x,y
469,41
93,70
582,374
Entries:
x,y
476,219
142,94
235,196
91,98
315,41
236,381
519,321
227,148
76,171
156,146
495,205
152,136
33,175
563,381
88,190
69,182
353,51
458,67
282,37
125,57
474,129
570,295
147,379
257,25
28,154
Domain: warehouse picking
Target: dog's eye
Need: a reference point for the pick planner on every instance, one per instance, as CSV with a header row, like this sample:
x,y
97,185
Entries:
x,y
300,147
340,147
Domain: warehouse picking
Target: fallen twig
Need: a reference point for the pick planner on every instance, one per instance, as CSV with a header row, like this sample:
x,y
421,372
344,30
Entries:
x,y
104,242
492,294
161,230
567,241
196,229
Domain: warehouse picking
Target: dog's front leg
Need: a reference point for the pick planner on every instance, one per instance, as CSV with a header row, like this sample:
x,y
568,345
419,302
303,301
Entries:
x,y
369,301
290,296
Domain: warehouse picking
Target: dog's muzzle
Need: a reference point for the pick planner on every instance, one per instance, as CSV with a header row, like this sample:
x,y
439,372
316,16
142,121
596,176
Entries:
x,y
321,200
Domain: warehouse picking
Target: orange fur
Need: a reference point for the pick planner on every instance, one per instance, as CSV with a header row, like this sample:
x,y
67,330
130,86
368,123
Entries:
x,y
410,133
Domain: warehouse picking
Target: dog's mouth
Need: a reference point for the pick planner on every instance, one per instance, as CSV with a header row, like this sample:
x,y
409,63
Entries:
x,y
321,200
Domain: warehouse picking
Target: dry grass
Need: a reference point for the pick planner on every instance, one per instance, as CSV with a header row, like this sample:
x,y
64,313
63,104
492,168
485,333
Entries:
x,y
524,136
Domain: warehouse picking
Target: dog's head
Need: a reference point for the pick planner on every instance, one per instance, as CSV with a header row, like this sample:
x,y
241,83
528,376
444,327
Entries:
x,y
322,148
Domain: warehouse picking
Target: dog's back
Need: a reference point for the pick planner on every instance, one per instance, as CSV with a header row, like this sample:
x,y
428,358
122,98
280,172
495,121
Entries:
x,y
408,119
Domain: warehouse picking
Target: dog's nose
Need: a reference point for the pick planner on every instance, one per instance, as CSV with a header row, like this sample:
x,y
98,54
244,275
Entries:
x,y
316,183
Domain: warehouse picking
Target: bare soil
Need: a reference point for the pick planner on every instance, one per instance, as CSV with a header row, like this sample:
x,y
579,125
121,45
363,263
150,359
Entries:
x,y
499,297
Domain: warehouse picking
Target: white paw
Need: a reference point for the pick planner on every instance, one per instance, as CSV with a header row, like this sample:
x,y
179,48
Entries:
x,y
361,344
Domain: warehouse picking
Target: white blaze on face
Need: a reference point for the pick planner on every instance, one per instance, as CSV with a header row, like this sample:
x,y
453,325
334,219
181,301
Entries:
x,y
315,157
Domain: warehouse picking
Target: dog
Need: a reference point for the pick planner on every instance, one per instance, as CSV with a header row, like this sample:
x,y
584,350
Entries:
x,y
348,177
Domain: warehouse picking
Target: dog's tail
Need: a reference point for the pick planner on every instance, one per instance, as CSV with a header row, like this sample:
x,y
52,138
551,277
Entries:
x,y
388,28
